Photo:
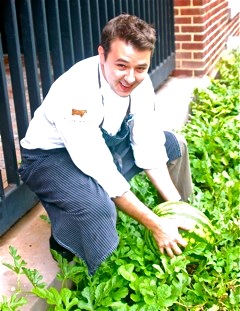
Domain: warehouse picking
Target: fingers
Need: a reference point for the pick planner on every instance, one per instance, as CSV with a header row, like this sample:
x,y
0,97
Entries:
x,y
181,241
172,248
168,238
161,250
176,249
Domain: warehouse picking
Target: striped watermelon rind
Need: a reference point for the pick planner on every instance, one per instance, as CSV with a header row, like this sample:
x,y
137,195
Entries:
x,y
202,232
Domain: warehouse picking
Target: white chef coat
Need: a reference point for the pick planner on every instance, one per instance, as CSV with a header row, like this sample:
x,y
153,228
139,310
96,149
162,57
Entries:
x,y
55,126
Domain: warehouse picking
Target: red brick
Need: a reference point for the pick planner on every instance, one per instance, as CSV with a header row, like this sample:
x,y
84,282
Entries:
x,y
191,11
178,64
189,64
176,11
199,19
182,20
182,2
198,55
182,73
198,38
200,2
199,73
177,46
177,28
183,55
192,46
192,29
183,37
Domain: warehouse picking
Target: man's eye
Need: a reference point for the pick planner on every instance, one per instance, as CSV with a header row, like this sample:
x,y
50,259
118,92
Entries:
x,y
121,66
141,69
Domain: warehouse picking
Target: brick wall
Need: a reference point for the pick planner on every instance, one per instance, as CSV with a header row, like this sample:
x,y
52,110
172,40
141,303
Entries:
x,y
202,28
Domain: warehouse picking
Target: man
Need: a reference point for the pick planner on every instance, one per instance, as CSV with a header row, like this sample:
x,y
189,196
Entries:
x,y
94,131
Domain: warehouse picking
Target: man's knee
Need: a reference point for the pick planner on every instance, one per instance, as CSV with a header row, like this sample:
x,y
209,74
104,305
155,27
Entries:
x,y
100,206
182,143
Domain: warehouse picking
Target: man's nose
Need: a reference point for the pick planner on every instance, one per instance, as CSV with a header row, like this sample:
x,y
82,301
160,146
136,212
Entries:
x,y
130,76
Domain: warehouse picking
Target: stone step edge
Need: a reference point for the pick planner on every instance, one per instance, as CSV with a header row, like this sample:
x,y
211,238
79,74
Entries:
x,y
30,236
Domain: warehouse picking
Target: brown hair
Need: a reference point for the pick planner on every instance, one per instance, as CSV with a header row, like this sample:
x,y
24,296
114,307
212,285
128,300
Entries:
x,y
131,29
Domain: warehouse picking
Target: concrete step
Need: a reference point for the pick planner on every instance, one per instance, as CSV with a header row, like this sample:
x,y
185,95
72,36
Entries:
x,y
30,237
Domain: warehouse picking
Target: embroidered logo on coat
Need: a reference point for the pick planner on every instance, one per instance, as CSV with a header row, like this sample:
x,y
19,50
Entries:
x,y
78,112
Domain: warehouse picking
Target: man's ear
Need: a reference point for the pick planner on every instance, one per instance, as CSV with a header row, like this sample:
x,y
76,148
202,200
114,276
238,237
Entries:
x,y
101,54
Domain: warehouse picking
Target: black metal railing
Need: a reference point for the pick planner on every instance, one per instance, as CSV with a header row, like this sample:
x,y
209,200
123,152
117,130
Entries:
x,y
41,39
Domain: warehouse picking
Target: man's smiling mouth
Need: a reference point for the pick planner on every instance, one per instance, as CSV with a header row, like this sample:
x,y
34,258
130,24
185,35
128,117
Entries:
x,y
125,86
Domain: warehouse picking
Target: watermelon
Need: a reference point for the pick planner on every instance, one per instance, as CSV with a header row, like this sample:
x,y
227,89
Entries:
x,y
201,233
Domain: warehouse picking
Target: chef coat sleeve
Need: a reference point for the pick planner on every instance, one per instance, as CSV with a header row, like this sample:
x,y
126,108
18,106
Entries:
x,y
86,146
147,140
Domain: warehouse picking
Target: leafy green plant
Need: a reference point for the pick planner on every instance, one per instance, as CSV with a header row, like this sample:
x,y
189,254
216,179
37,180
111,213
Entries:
x,y
17,266
13,303
57,300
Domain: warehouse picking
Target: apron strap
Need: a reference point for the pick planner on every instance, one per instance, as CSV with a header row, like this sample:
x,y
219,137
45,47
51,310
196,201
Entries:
x,y
99,84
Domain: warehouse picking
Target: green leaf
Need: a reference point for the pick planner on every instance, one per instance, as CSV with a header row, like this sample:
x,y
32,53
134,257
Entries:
x,y
34,277
126,271
12,303
120,293
163,296
51,295
68,299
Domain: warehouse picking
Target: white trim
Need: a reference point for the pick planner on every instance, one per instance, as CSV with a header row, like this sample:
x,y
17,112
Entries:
x,y
234,7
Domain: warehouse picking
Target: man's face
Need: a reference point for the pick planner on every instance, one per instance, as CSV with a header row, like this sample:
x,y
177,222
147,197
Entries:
x,y
125,67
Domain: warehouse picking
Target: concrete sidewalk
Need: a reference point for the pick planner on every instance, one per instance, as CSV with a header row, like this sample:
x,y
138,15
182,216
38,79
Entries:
x,y
173,99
